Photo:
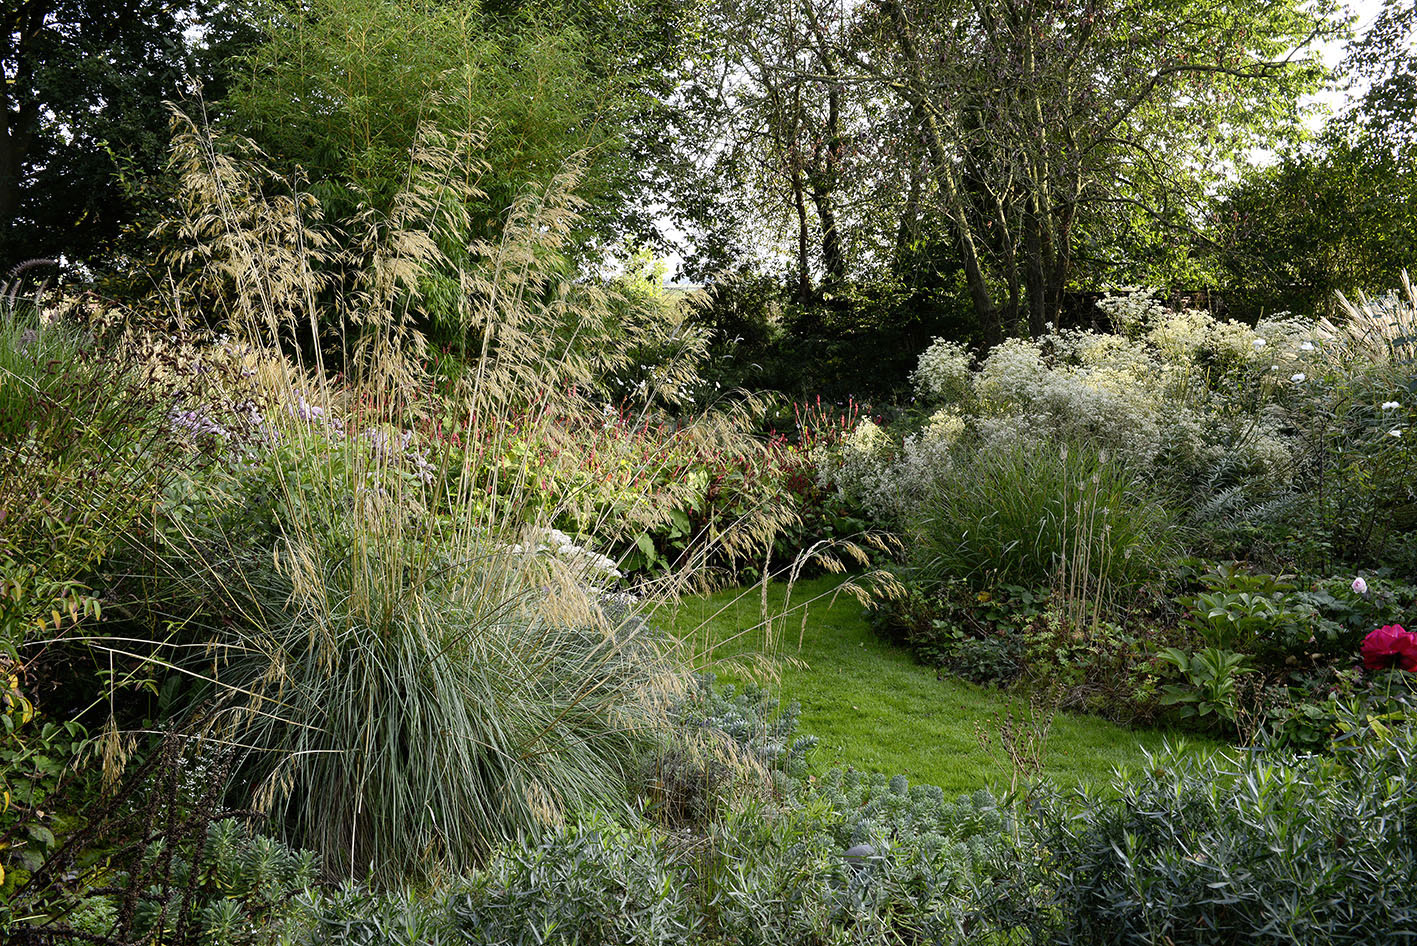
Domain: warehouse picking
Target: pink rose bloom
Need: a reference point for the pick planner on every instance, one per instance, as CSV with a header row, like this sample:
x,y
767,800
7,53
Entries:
x,y
1360,586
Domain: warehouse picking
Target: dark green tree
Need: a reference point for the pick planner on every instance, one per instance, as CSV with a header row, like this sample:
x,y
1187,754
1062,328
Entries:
x,y
1030,147
1340,219
342,89
1382,69
1341,215
82,116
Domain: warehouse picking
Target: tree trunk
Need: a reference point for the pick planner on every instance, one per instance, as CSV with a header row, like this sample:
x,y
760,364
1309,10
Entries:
x,y
832,257
909,226
804,279
957,215
1034,269
19,111
10,168
824,182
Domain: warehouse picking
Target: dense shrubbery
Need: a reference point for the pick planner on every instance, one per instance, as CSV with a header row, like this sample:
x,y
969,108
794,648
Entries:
x,y
249,525
757,870
1267,849
760,877
1031,513
773,856
401,592
733,502
1241,427
155,857
1055,496
1188,849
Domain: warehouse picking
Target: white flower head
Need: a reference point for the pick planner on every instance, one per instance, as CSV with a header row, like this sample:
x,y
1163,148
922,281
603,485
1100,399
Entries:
x,y
1360,586
1297,377
1391,405
1259,343
1395,432
1307,346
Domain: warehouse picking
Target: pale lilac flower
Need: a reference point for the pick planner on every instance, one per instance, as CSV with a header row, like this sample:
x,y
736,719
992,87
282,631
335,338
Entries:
x,y
306,411
196,423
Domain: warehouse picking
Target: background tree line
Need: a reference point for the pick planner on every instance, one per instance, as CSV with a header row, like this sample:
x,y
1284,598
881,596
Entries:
x,y
847,173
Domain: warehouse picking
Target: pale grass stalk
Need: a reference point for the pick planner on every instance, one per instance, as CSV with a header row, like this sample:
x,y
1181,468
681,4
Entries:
x,y
412,681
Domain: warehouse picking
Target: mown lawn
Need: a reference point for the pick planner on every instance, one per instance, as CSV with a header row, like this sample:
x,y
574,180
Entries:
x,y
873,706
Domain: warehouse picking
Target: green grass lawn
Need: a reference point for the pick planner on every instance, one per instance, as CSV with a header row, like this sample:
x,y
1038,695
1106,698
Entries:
x,y
873,706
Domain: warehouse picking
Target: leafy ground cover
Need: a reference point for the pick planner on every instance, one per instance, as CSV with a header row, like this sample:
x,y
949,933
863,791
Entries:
x,y
873,706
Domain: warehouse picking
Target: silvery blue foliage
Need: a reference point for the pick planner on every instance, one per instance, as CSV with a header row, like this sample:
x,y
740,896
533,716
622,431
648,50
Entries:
x,y
755,721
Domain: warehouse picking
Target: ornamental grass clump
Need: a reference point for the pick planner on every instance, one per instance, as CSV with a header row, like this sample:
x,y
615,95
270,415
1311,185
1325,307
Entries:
x,y
1041,514
412,666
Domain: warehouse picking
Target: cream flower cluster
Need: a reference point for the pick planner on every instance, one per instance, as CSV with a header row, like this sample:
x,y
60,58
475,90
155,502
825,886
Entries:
x,y
1100,387
1174,387
585,563
943,373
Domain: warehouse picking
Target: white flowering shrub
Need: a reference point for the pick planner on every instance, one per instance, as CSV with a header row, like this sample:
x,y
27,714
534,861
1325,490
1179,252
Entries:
x,y
946,426
1012,374
1210,406
860,471
1100,388
943,374
1247,426
925,459
886,478
1189,340
1209,453
1130,310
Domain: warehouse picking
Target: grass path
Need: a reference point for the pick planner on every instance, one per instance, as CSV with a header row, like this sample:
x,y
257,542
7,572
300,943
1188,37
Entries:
x,y
873,706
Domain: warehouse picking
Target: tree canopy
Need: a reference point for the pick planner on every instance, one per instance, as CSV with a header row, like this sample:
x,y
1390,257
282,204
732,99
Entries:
x,y
82,113
1035,138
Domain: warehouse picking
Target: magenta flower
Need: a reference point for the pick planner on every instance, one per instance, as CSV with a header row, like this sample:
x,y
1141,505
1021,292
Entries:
x,y
1390,646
